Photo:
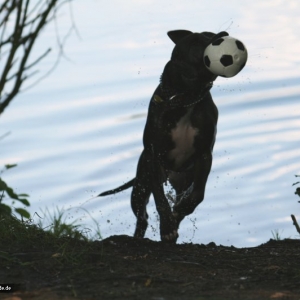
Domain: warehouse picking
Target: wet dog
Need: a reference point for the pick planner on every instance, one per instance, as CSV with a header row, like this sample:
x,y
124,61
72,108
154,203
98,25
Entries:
x,y
179,137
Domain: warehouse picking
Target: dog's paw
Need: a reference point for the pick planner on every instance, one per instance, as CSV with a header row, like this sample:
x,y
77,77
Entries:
x,y
169,230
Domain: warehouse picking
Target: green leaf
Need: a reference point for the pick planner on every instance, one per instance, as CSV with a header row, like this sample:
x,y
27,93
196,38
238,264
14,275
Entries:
x,y
24,213
24,201
10,192
4,209
23,195
10,166
3,185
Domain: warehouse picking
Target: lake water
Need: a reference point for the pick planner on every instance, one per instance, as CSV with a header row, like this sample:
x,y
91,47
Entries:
x,y
79,131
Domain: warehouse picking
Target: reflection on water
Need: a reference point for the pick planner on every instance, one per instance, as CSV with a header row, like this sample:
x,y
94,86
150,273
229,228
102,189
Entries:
x,y
80,131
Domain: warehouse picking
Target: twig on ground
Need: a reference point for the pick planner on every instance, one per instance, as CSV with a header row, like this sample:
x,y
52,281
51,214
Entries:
x,y
295,223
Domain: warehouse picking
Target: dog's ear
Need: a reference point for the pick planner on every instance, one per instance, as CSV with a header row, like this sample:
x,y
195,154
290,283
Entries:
x,y
209,37
177,35
219,35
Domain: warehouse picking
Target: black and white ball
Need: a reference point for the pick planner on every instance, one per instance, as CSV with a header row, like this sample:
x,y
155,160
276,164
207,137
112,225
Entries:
x,y
225,56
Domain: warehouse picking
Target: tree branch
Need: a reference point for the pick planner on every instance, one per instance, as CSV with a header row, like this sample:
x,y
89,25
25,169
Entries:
x,y
13,50
16,41
29,20
295,223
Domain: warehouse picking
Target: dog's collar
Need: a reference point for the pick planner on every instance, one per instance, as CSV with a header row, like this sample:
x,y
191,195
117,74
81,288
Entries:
x,y
169,97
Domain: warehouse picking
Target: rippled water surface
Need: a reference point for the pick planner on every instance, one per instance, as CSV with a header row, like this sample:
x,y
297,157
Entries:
x,y
79,131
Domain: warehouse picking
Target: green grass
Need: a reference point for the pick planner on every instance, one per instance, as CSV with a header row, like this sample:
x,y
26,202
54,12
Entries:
x,y
59,226
66,241
33,251
276,234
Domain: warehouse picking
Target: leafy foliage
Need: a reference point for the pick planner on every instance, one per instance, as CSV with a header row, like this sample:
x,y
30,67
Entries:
x,y
297,192
7,191
21,22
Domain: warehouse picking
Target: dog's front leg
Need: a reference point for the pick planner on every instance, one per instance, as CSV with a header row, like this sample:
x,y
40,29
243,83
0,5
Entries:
x,y
168,224
188,205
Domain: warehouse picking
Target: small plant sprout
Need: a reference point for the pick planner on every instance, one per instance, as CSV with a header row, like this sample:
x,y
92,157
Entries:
x,y
276,234
297,192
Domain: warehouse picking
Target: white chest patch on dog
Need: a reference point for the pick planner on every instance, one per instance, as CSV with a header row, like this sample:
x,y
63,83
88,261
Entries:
x,y
183,135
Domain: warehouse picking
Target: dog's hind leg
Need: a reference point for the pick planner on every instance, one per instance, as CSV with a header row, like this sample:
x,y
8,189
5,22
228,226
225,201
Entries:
x,y
140,195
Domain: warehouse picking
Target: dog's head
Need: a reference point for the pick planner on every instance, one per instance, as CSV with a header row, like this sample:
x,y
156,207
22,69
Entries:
x,y
186,72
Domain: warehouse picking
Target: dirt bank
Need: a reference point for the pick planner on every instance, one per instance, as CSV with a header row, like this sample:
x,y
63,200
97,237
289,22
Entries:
x,y
122,267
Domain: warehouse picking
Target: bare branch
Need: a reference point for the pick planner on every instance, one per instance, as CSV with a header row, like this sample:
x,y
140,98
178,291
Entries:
x,y
8,11
24,14
4,135
28,67
13,50
36,8
295,223
28,22
3,6
61,53
45,75
38,59
16,42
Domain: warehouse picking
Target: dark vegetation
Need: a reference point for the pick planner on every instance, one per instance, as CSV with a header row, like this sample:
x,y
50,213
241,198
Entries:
x,y
21,23
49,266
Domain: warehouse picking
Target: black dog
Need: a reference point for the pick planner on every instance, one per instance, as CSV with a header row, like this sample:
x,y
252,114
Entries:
x,y
178,138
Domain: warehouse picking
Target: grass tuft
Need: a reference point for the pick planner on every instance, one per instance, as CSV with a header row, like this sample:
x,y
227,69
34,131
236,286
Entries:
x,y
276,234
62,241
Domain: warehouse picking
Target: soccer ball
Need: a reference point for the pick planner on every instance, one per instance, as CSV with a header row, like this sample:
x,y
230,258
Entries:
x,y
225,56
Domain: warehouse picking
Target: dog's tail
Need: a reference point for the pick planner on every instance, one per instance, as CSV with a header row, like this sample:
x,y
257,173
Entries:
x,y
118,189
